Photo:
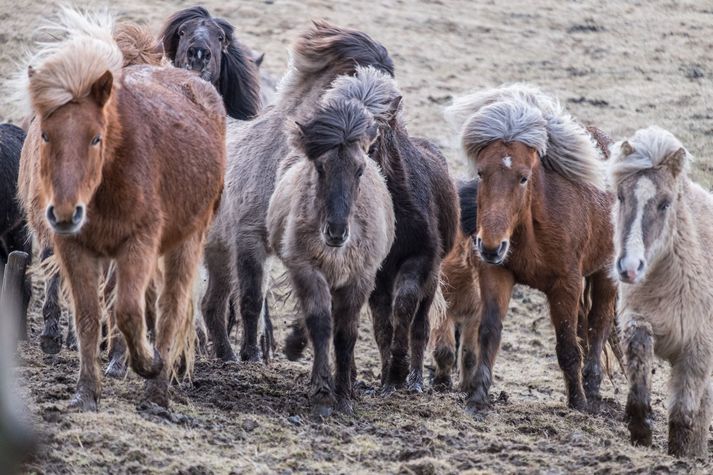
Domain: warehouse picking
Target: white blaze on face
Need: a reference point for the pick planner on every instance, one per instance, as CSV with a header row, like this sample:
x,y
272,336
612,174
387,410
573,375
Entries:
x,y
507,161
634,250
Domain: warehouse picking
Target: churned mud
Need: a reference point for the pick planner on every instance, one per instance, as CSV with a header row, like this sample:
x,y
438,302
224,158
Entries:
x,y
617,65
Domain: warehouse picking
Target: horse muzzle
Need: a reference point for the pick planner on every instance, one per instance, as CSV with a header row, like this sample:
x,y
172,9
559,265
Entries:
x,y
66,220
630,269
493,255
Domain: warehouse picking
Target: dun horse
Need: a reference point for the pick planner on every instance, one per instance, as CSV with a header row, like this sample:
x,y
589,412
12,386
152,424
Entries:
x,y
194,40
124,165
663,229
542,221
331,222
237,247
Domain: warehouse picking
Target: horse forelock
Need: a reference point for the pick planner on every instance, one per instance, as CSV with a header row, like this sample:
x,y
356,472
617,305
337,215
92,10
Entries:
x,y
338,123
80,50
521,112
372,88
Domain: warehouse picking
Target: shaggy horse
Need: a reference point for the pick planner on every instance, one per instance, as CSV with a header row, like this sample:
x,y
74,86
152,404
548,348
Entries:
x,y
13,230
331,222
124,165
194,40
542,221
237,247
663,226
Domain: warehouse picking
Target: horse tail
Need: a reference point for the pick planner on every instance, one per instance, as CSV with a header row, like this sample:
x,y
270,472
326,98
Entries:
x,y
438,313
138,45
326,46
467,193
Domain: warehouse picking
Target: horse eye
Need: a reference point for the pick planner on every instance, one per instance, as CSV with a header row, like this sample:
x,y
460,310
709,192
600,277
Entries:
x,y
479,173
664,205
96,140
620,197
45,137
523,180
181,32
360,172
320,169
221,38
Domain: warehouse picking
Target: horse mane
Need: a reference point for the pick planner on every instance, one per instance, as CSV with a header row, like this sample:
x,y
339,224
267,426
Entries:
x,y
523,113
239,80
370,87
80,49
339,50
648,148
137,45
340,122
467,197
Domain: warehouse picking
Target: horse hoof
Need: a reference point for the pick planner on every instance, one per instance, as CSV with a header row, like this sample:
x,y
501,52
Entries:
x,y
388,390
442,384
151,372
71,342
250,355
641,433
414,382
345,406
295,345
156,392
227,357
476,410
51,344
84,401
116,369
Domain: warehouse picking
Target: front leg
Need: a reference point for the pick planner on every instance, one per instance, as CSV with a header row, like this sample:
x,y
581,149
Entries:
x,y
496,285
564,298
639,348
315,299
82,272
690,411
51,337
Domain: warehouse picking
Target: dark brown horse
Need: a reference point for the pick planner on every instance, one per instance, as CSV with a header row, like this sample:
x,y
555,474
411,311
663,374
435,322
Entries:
x,y
195,40
124,165
543,220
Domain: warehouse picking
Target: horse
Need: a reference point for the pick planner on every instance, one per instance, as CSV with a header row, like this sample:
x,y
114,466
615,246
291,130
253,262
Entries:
x,y
331,222
13,230
237,246
459,285
123,165
426,210
542,221
195,40
663,226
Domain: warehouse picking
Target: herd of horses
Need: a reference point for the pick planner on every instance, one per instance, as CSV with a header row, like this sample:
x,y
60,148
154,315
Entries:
x,y
144,155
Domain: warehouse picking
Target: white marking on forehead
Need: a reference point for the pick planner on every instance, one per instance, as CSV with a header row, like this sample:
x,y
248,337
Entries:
x,y
507,161
644,190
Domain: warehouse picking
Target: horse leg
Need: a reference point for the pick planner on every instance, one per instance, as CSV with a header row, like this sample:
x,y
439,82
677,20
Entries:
x,y
380,303
250,275
175,331
420,329
51,337
564,307
296,340
347,303
702,420
215,300
599,323
639,347
315,299
444,353
82,273
117,346
134,270
496,286
690,381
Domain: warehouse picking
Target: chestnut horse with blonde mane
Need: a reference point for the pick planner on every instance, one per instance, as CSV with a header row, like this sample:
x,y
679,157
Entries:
x,y
124,165
543,221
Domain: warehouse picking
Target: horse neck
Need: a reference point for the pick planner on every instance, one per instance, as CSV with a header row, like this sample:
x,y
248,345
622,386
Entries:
x,y
300,94
389,153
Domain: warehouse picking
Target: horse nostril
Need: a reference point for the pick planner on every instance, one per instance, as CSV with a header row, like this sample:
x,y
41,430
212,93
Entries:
x,y
78,214
191,52
641,265
51,217
501,249
207,55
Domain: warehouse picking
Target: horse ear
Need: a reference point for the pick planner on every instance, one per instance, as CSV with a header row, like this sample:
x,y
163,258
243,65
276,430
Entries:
x,y
101,89
394,108
372,133
676,161
258,59
626,149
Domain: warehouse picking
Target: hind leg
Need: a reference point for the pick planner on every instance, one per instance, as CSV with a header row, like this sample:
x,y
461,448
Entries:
x,y
82,272
175,332
420,329
639,348
444,352
215,300
599,323
51,337
250,275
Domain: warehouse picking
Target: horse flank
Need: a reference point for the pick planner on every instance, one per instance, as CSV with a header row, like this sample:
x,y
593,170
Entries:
x,y
521,112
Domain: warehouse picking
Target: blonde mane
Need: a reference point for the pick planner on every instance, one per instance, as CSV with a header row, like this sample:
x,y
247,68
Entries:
x,y
523,113
80,49
646,149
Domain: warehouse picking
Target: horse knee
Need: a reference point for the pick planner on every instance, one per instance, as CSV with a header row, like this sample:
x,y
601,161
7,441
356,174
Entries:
x,y
406,301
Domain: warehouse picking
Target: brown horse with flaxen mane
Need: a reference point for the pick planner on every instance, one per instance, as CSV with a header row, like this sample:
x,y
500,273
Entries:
x,y
124,165
543,220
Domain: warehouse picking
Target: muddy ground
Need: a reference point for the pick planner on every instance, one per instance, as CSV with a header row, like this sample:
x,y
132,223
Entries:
x,y
618,65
